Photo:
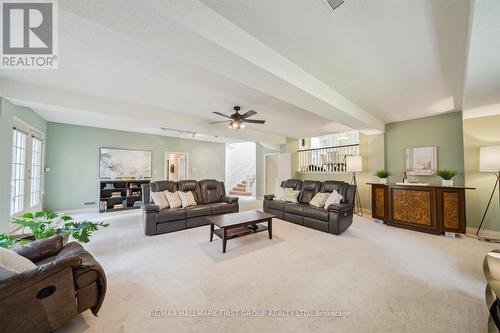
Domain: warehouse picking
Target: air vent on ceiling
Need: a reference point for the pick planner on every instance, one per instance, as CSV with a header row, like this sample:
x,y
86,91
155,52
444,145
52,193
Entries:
x,y
335,3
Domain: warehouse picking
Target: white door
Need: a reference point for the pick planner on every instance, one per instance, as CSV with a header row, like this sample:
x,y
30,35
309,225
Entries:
x,y
26,171
278,167
271,174
176,166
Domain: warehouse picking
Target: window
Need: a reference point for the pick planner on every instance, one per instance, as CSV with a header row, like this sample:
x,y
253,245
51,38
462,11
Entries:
x,y
27,161
18,171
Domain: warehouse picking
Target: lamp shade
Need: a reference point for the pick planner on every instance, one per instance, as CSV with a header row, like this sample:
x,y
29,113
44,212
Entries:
x,y
354,163
489,159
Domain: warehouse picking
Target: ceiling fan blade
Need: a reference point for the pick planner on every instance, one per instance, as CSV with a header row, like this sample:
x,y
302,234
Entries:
x,y
254,121
222,114
218,122
248,114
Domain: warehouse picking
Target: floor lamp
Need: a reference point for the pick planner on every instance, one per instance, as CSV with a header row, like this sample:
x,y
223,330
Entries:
x,y
355,164
489,161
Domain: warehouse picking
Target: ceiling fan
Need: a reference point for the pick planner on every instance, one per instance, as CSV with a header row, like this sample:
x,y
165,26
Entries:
x,y
238,120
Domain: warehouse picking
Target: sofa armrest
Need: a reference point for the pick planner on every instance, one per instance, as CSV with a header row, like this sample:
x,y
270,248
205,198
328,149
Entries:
x,y
19,282
269,197
150,208
341,208
41,249
229,199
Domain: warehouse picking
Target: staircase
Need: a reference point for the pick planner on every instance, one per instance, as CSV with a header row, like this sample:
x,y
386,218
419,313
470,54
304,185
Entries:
x,y
241,188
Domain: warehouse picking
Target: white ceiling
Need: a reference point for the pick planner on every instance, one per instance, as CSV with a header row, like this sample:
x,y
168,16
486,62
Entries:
x,y
306,70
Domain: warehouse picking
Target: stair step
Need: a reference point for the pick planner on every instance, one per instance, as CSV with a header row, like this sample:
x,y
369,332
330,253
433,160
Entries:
x,y
241,186
236,189
238,193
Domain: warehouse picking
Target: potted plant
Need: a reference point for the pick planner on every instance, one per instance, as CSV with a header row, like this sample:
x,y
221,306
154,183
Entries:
x,y
383,175
48,223
447,176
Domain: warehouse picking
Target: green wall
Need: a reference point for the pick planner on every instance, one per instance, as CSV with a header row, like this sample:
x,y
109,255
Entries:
x,y
7,113
444,131
480,132
73,159
5,158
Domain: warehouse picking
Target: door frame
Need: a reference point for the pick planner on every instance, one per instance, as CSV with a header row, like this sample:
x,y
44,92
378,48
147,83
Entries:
x,y
165,164
265,166
30,131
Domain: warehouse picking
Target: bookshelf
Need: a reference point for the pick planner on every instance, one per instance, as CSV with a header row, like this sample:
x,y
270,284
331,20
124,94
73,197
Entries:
x,y
118,195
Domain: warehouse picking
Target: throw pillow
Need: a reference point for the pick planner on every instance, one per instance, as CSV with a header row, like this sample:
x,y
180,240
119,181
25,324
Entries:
x,y
12,263
280,193
319,199
187,198
334,198
173,199
160,199
291,195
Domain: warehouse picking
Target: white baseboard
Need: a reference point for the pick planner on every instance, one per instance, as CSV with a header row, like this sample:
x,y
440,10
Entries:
x,y
484,233
79,211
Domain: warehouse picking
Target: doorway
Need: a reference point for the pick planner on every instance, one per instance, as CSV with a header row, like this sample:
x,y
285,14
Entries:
x,y
176,166
278,167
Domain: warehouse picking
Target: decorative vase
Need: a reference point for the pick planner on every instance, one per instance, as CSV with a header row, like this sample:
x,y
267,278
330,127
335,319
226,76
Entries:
x,y
447,182
383,180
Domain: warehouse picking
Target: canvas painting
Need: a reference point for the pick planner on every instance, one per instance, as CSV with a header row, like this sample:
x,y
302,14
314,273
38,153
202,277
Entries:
x,y
120,163
421,161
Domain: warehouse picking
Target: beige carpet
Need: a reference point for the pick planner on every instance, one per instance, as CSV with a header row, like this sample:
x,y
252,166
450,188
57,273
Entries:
x,y
372,278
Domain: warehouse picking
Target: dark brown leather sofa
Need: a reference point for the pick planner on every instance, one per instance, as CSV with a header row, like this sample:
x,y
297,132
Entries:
x,y
335,220
210,196
67,281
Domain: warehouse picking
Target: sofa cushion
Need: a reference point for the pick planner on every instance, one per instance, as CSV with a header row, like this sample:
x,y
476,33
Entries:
x,y
174,201
221,208
295,208
276,204
13,263
319,199
309,190
291,195
192,186
210,190
296,184
200,210
334,198
171,214
160,199
163,185
187,198
330,185
316,213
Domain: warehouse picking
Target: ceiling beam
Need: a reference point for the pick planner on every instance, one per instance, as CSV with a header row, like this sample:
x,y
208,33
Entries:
x,y
206,39
80,109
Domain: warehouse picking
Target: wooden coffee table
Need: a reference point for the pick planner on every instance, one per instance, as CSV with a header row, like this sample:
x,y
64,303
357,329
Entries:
x,y
236,225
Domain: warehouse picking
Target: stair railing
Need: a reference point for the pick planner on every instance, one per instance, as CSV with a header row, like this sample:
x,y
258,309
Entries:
x,y
327,159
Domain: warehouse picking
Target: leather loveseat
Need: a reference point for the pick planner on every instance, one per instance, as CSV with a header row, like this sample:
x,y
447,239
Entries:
x,y
335,219
67,281
209,194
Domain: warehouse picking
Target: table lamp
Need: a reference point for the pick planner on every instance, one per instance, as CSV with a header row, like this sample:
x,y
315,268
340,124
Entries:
x,y
489,161
355,164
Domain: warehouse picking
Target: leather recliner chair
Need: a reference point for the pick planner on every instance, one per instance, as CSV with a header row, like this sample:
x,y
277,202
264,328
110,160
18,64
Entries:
x,y
209,194
67,281
335,219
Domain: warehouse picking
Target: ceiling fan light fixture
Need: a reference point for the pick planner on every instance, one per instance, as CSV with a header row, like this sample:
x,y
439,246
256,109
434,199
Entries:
x,y
242,125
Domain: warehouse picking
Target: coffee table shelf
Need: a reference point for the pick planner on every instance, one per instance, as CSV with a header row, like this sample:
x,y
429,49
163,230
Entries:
x,y
240,232
235,225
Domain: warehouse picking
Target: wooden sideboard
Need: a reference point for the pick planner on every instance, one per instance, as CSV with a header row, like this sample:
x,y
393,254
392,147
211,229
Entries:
x,y
432,209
